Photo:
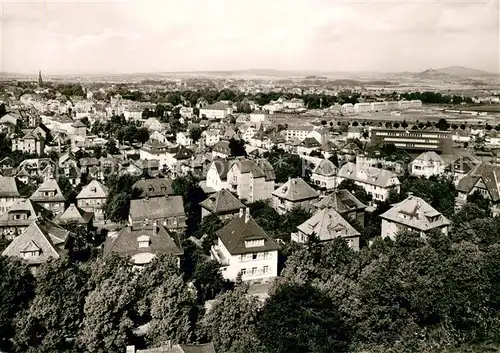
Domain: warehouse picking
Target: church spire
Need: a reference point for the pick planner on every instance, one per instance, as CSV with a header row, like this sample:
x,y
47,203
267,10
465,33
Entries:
x,y
40,82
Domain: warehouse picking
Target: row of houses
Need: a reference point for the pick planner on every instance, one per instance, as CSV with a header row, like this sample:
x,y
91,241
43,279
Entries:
x,y
373,107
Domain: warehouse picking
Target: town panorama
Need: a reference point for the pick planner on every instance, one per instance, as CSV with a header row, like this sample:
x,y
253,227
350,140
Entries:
x,y
273,210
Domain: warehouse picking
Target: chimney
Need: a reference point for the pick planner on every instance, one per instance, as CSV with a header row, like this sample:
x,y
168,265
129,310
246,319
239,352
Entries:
x,y
130,349
241,212
247,215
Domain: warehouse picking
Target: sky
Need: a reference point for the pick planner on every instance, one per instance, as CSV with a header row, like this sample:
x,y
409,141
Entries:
x,y
201,35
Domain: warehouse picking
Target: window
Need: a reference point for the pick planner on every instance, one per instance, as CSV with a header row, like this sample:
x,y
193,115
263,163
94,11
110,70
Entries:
x,y
254,243
254,256
254,270
243,271
265,269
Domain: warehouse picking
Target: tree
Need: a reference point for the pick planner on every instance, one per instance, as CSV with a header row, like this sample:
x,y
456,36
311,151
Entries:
x,y
396,125
299,318
208,280
209,225
173,312
489,127
120,192
230,324
3,111
142,135
356,190
442,124
109,309
111,147
323,122
285,165
16,291
477,198
56,312
439,192
192,194
195,134
355,124
237,147
404,124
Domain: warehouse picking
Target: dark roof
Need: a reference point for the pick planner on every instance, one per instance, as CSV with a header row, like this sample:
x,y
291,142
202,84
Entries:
x,y
154,187
125,243
183,153
234,234
490,176
222,202
222,166
341,201
310,142
156,208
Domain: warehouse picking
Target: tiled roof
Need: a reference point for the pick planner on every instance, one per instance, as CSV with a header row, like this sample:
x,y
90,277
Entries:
x,y
221,202
430,157
257,167
222,166
25,206
74,214
94,190
154,187
8,187
234,234
310,142
490,176
341,201
46,236
368,175
49,184
125,243
326,168
415,213
156,208
295,189
328,224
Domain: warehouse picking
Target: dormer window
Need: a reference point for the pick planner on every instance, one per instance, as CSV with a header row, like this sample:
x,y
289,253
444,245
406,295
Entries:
x,y
143,241
254,243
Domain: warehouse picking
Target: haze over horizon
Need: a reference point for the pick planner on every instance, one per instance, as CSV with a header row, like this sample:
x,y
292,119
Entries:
x,y
220,35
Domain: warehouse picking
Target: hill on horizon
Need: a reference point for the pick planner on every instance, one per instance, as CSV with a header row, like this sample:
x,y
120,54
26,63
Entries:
x,y
462,71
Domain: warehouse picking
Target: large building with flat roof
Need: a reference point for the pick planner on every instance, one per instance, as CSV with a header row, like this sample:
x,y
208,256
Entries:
x,y
417,140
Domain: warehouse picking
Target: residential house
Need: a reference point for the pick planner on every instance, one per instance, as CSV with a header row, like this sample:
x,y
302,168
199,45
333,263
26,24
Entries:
x,y
33,142
376,182
143,241
346,204
20,215
297,132
221,149
157,187
217,175
153,149
74,214
460,167
412,214
244,248
210,137
79,128
251,180
49,196
294,193
222,203
41,240
92,199
9,193
308,145
153,124
484,178
324,175
183,138
327,224
427,164
167,211
158,137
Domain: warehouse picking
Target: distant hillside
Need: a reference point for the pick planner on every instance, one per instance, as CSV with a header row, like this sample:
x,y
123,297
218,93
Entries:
x,y
462,71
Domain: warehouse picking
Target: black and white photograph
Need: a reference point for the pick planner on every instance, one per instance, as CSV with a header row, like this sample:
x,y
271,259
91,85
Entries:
x,y
249,176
